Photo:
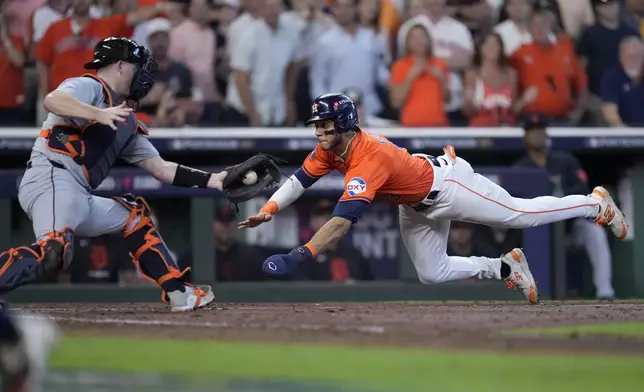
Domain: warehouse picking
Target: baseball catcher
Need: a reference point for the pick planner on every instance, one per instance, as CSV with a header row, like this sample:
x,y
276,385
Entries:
x,y
90,125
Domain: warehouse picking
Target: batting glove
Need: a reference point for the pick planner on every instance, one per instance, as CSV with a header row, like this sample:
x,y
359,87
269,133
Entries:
x,y
280,265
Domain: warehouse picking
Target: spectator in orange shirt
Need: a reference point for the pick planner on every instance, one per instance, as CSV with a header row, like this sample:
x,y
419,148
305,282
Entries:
x,y
12,58
491,87
419,82
551,65
69,43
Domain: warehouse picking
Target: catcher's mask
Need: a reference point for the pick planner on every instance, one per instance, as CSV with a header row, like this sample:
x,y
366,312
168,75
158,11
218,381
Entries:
x,y
113,49
337,107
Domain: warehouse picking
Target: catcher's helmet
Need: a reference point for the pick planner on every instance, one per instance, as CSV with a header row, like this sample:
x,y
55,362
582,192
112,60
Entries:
x,y
113,49
337,107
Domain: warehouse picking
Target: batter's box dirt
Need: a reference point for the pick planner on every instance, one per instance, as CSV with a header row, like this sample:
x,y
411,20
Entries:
x,y
474,325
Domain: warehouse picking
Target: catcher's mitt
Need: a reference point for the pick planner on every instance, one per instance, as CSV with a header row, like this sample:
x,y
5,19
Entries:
x,y
268,174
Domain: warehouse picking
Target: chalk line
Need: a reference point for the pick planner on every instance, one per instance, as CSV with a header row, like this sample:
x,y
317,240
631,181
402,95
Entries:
x,y
370,329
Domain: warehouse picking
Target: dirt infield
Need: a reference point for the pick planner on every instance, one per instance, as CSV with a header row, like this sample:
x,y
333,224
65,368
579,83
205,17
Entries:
x,y
472,325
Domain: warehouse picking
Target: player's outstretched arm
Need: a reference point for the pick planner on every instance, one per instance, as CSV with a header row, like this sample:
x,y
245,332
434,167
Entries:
x,y
285,195
332,231
179,175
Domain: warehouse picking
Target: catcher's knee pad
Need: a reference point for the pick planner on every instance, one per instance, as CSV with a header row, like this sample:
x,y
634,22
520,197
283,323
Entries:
x,y
25,264
150,253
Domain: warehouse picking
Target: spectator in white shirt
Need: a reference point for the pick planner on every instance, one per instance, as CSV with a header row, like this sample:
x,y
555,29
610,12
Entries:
x,y
515,31
242,22
452,42
348,56
265,63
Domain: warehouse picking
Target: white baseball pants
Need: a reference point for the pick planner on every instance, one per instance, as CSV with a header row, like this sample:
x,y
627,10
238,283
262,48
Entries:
x,y
470,197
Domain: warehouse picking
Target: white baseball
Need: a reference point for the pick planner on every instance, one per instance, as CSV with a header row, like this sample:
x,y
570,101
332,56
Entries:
x,y
250,177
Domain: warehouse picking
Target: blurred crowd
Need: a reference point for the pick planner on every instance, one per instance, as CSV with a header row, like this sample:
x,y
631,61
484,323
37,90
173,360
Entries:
x,y
410,62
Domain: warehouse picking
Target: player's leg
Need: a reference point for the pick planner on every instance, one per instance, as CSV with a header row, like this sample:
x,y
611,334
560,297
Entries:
x,y
426,242
595,242
470,197
55,203
131,216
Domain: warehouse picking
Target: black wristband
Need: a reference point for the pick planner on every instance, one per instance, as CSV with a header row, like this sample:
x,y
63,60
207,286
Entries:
x,y
301,253
190,178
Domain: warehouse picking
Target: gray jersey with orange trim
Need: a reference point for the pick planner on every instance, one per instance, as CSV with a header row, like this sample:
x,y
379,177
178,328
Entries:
x,y
89,91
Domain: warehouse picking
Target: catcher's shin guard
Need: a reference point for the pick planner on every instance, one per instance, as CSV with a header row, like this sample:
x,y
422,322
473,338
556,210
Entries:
x,y
25,264
150,254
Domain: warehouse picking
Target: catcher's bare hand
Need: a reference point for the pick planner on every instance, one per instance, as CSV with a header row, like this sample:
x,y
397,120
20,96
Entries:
x,y
109,116
255,220
217,180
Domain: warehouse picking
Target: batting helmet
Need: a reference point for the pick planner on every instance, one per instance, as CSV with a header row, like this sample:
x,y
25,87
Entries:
x,y
337,107
113,49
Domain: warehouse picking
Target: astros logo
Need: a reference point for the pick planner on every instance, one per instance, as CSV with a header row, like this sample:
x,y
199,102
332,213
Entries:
x,y
314,108
356,186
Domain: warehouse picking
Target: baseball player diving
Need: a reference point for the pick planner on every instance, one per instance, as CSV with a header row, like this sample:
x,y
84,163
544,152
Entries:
x,y
430,191
90,125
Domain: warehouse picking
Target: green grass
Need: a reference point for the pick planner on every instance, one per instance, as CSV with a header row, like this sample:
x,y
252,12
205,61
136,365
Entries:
x,y
399,370
634,329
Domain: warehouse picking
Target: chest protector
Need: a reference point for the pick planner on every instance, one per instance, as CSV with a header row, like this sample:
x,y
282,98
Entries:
x,y
95,147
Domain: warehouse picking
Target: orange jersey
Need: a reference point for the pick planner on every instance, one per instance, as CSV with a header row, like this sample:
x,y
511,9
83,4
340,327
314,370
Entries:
x,y
375,169
66,53
11,78
554,70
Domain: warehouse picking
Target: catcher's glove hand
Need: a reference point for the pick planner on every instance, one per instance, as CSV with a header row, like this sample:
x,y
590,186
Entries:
x,y
268,174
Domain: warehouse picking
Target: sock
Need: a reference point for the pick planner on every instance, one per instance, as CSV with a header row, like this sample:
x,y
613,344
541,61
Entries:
x,y
505,270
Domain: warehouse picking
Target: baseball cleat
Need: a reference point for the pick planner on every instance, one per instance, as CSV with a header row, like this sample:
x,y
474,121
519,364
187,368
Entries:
x,y
520,277
24,364
193,298
609,214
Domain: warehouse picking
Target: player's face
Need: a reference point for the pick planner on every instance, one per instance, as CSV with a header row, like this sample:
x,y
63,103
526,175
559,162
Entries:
x,y
518,9
127,71
609,11
327,141
536,139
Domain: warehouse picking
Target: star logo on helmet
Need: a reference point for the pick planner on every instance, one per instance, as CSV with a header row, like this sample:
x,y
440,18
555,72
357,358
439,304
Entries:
x,y
314,108
336,104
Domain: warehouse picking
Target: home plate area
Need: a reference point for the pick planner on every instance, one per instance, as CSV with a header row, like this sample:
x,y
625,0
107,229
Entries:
x,y
485,325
